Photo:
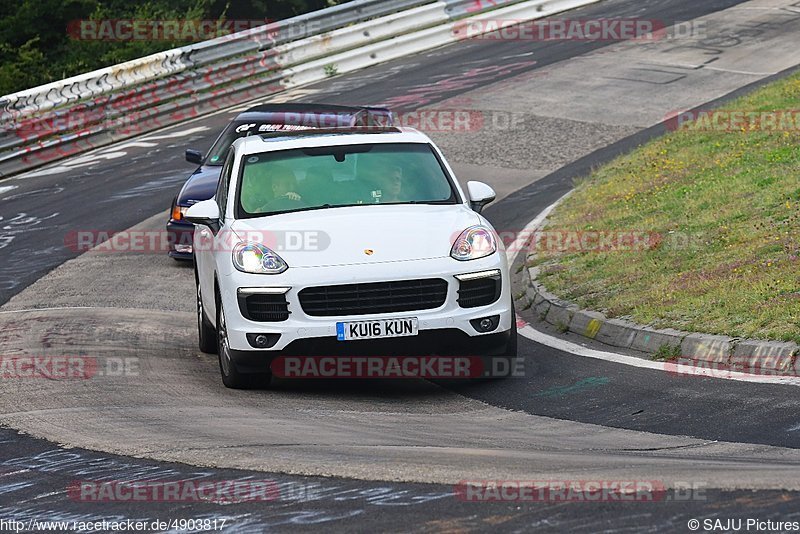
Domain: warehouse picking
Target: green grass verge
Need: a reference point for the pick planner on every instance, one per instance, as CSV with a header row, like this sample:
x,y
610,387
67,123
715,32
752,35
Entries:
x,y
727,208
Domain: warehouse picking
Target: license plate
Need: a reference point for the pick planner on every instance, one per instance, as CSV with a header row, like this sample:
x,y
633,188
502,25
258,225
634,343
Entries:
x,y
378,329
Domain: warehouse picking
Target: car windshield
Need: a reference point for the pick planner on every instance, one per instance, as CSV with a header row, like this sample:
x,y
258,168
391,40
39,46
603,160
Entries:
x,y
312,178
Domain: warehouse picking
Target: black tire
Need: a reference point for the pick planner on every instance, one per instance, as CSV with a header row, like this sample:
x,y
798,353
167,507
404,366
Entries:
x,y
512,346
206,334
231,376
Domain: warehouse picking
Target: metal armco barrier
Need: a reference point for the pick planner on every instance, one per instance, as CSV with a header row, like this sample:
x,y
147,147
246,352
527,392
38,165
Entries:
x,y
71,116
461,8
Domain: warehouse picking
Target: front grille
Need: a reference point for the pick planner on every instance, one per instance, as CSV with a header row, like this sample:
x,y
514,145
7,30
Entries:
x,y
380,297
264,308
479,292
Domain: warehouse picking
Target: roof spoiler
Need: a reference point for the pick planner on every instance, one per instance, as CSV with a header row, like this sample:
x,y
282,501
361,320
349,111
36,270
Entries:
x,y
330,131
321,116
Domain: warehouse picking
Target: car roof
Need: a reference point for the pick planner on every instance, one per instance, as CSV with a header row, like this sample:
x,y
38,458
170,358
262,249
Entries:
x,y
286,140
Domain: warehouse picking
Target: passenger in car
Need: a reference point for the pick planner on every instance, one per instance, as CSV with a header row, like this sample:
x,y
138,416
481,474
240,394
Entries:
x,y
256,188
284,190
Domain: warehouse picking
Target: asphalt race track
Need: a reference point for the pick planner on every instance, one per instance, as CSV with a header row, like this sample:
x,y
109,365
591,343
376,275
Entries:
x,y
385,455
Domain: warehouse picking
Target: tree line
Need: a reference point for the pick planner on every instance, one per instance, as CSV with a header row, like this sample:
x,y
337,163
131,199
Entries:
x,y
47,40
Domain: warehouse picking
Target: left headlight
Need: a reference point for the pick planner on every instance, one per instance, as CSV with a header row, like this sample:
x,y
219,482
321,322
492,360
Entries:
x,y
474,243
255,258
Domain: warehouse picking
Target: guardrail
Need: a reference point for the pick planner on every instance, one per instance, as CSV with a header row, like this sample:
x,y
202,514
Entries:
x,y
67,117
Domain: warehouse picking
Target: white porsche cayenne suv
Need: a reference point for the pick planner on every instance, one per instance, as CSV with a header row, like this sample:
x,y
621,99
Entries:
x,y
346,241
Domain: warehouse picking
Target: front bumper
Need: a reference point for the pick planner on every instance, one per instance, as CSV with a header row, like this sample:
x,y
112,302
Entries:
x,y
180,236
450,319
446,342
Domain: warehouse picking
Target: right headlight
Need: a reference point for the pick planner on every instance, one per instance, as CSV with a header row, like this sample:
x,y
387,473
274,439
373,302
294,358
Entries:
x,y
255,258
474,243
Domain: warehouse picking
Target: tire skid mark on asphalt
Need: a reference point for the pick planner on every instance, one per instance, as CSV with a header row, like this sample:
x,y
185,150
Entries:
x,y
145,141
158,415
21,261
53,309
35,192
297,500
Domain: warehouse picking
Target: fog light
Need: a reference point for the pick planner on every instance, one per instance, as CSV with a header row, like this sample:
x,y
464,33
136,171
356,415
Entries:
x,y
263,341
486,324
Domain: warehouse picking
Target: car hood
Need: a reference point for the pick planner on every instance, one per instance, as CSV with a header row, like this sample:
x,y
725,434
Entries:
x,y
360,234
201,185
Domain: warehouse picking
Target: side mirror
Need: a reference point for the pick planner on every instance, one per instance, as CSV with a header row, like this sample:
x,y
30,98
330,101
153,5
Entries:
x,y
205,213
480,195
194,156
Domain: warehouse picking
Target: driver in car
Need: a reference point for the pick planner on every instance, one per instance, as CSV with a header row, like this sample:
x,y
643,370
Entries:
x,y
386,182
393,184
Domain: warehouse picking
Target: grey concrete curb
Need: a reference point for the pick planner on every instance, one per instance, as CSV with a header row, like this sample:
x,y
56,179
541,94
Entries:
x,y
746,355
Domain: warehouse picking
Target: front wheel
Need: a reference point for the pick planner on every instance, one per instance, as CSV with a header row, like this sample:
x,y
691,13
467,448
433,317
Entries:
x,y
231,376
206,334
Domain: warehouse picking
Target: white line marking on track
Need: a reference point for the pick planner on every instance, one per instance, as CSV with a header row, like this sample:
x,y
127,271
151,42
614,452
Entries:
x,y
167,132
563,345
673,368
745,72
519,243
133,144
50,494
179,133
7,188
518,55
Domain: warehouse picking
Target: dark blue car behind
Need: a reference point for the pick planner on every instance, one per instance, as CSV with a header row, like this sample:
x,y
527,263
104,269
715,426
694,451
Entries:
x,y
202,184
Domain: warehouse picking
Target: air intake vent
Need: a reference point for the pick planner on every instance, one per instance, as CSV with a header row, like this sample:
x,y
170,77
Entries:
x,y
479,292
264,308
381,297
